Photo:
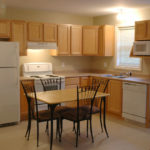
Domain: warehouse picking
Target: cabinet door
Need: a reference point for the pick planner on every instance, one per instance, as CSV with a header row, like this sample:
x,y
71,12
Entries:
x,y
4,29
90,40
50,32
140,30
76,40
84,81
115,98
35,32
19,30
148,30
63,39
106,40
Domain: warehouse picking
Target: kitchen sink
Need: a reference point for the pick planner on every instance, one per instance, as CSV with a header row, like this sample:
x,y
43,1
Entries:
x,y
114,76
121,76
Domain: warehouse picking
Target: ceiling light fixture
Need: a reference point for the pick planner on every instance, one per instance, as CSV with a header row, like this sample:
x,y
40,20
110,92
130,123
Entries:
x,y
120,15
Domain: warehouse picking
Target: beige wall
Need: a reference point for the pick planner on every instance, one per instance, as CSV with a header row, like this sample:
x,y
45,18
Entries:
x,y
98,62
71,63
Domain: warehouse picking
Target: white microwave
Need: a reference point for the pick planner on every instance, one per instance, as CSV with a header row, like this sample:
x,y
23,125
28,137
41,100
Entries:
x,y
141,48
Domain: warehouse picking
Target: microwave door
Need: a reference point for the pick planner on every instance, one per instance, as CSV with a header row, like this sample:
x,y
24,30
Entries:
x,y
141,48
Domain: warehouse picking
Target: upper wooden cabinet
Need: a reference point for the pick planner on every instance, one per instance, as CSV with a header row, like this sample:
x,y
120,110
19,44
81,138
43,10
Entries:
x,y
35,31
19,30
141,30
4,29
115,99
76,40
63,40
106,40
50,32
90,40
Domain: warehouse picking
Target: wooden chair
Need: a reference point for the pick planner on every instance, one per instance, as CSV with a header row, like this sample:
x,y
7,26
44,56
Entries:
x,y
33,112
77,114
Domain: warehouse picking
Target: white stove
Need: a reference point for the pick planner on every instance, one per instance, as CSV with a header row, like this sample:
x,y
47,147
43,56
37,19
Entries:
x,y
39,71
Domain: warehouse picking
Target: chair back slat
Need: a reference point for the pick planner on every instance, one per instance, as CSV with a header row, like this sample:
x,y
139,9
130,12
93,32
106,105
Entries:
x,y
51,84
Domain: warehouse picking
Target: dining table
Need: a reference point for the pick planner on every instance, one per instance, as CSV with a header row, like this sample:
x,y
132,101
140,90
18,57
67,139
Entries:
x,y
55,97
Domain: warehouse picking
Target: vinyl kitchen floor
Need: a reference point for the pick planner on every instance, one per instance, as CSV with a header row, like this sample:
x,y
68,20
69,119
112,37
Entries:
x,y
123,136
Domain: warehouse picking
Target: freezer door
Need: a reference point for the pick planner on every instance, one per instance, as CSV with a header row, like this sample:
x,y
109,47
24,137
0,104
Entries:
x,y
9,54
9,96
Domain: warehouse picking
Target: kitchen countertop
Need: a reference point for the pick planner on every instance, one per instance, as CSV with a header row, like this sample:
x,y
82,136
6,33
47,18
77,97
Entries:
x,y
136,79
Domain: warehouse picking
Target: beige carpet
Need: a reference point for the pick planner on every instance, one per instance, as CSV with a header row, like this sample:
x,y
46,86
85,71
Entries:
x,y
123,136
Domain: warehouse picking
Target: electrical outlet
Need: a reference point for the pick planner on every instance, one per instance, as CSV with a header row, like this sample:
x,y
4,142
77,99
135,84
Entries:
x,y
105,64
63,64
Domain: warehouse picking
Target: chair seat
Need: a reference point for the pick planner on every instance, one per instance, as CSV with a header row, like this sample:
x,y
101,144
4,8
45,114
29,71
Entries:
x,y
87,108
45,115
60,109
71,114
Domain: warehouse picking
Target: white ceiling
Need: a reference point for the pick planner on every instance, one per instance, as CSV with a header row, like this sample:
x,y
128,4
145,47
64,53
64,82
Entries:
x,y
82,7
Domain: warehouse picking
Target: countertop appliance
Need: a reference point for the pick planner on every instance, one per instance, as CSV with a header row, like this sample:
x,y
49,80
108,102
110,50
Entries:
x,y
9,83
39,71
134,101
141,48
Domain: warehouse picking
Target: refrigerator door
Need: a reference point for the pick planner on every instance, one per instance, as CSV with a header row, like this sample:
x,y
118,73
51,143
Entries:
x,y
9,95
9,54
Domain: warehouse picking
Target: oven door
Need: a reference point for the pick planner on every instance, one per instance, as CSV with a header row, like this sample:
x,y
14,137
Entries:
x,y
141,48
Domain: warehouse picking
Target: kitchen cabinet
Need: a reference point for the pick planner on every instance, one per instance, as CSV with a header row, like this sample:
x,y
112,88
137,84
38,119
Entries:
x,y
90,40
106,40
114,101
76,40
19,34
35,32
50,32
142,30
4,29
23,105
84,81
64,39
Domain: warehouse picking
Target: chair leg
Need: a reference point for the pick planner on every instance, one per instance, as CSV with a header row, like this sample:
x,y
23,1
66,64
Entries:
x,y
77,133
104,117
59,130
87,128
37,133
47,128
73,126
57,127
61,125
79,128
100,115
29,129
91,131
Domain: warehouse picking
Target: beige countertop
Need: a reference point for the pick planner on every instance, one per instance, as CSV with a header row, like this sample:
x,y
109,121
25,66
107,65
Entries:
x,y
137,79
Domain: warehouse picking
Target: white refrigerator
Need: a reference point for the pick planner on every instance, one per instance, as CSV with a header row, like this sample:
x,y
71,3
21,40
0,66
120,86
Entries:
x,y
9,83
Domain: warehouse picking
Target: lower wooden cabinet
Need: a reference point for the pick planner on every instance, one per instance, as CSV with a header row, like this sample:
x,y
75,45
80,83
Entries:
x,y
84,81
114,101
23,105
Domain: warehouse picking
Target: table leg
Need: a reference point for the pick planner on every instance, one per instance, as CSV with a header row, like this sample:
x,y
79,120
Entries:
x,y
52,108
104,115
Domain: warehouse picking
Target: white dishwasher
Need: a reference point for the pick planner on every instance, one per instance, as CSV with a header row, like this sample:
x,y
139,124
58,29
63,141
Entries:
x,y
134,101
